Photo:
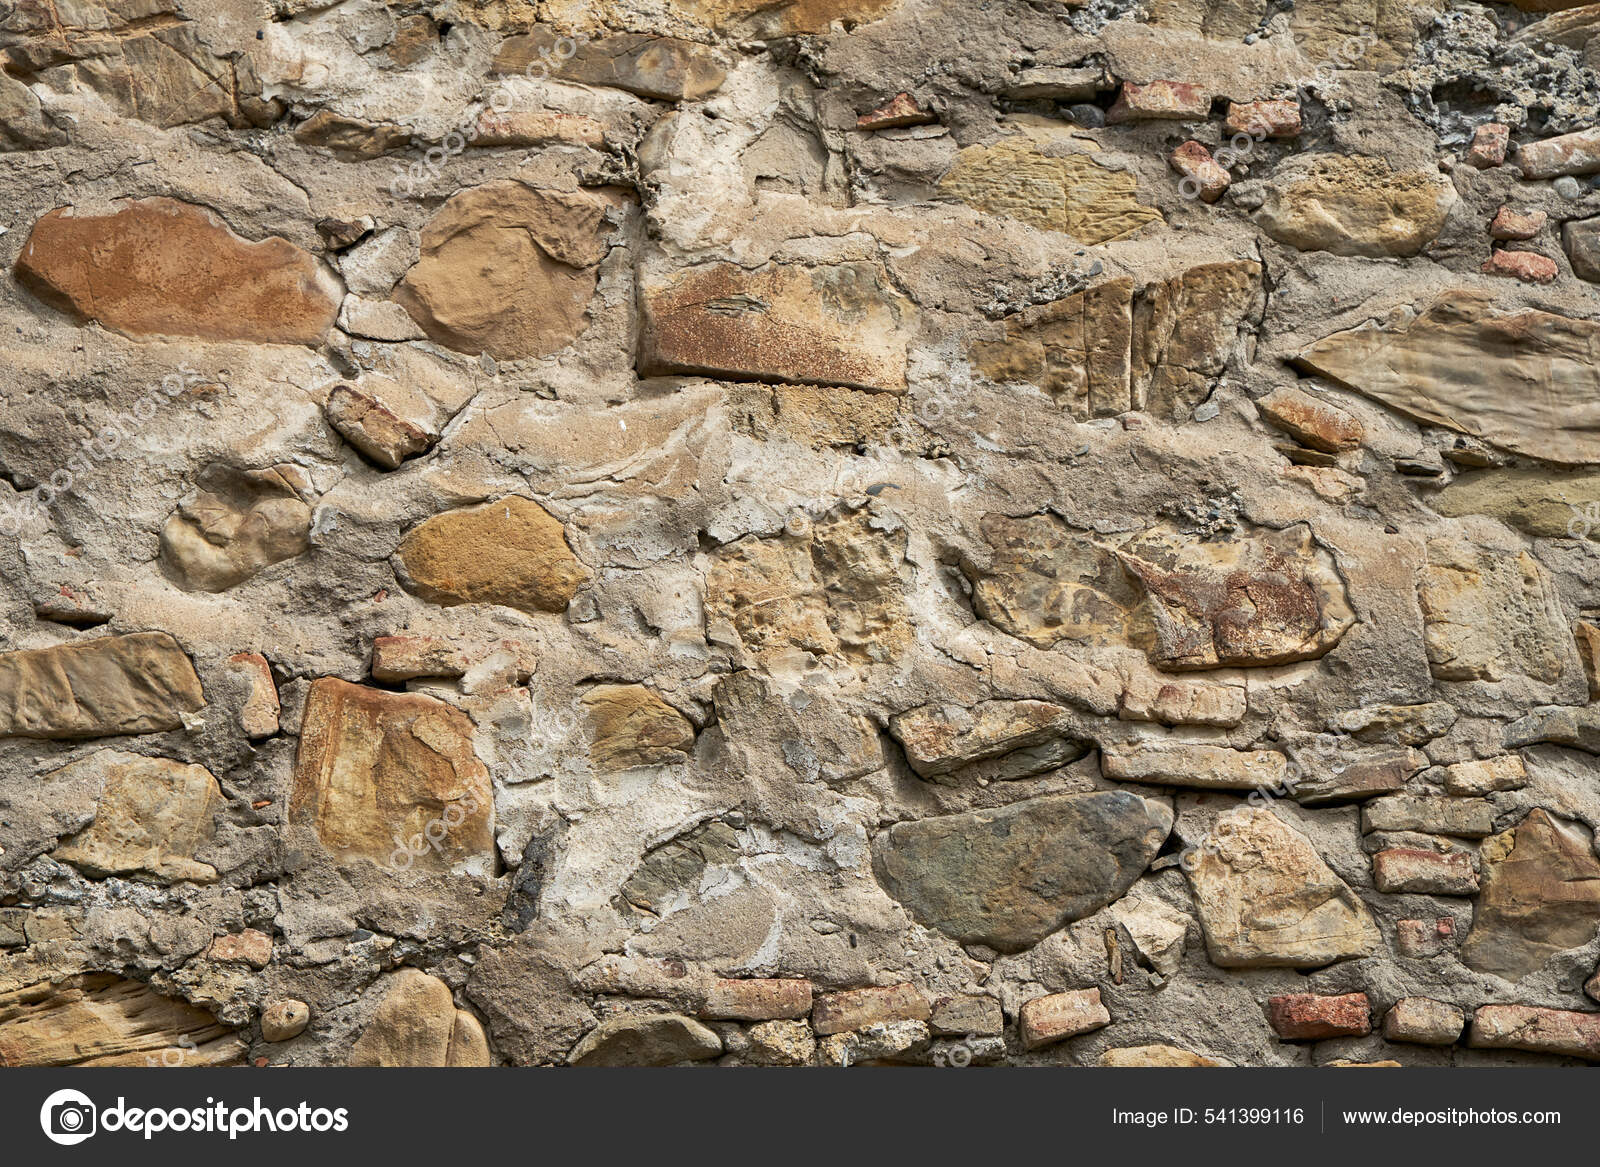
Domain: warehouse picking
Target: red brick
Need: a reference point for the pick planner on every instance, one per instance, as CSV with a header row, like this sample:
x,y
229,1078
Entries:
x,y
757,1000
1204,177
857,1008
1489,144
1403,869
1309,1017
1521,265
1047,1020
248,947
1265,119
1160,101
1535,1030
1513,224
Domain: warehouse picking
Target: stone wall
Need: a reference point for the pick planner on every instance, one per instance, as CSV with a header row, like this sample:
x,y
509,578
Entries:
x,y
799,531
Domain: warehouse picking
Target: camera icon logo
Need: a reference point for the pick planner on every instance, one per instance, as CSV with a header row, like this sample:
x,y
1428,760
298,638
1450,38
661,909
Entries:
x,y
68,1117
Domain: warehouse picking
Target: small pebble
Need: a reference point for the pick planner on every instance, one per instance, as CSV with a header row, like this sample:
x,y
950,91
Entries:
x,y
1568,187
1088,115
1207,411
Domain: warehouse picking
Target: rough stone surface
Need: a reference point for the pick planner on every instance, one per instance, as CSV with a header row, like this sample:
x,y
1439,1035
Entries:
x,y
1046,1020
511,552
1537,1030
1355,206
417,1024
1421,1021
152,817
1309,1017
138,683
1008,878
646,1040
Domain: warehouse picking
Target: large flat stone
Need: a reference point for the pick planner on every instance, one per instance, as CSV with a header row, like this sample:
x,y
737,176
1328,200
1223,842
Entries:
x,y
1026,737
1007,878
1355,206
151,818
99,1019
1528,381
163,267
826,325
139,683
1267,900
392,777
1540,896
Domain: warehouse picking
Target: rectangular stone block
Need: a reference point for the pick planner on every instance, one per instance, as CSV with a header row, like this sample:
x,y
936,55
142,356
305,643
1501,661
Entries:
x,y
858,1008
139,683
1047,1020
1310,1017
1403,869
1536,1030
757,1000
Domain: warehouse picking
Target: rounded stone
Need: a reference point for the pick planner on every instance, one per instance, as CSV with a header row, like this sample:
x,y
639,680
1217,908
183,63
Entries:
x,y
284,1019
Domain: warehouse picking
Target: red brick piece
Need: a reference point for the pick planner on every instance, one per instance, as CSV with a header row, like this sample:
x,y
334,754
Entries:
x,y
1511,224
1264,119
1489,146
1175,101
858,1008
1309,1017
757,1000
1203,177
1521,265
1046,1020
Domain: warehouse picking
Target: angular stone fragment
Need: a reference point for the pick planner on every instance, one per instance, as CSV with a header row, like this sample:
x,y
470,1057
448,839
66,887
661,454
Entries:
x,y
1270,597
1267,900
859,1008
1007,878
418,1025
239,523
1422,938
757,1000
1154,697
1046,1020
764,18
1157,930
511,552
1535,1030
1546,503
1106,350
98,1019
1204,177
163,267
1577,729
1541,896
23,124
1355,206
1588,637
402,658
1311,421
1488,147
1526,381
1575,153
1193,765
824,325
507,270
1309,1017
1160,100
139,683
1470,818
1466,779
663,67
781,1043
1264,119
532,127
1406,725
1358,778
284,1020
966,1016
1422,1021
1055,83
1582,242
1407,870
1511,224
900,111
1027,737
881,1042
354,137
1156,1057
1526,266
1490,616
258,715
251,947
631,726
1072,193
151,818
369,426
392,777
